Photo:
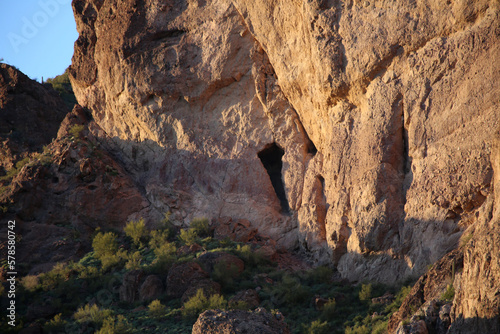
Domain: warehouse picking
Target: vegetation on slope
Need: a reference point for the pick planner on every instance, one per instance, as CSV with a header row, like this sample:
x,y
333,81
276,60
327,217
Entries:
x,y
62,85
84,297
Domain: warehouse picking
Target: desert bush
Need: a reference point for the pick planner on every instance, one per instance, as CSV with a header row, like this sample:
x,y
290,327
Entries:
x,y
15,170
357,329
199,303
158,238
60,273
317,327
105,244
156,309
328,311
137,231
288,293
224,274
200,226
76,130
366,292
168,249
62,85
114,325
449,293
250,257
398,299
134,261
106,250
30,282
92,314
380,327
188,237
321,274
111,260
55,325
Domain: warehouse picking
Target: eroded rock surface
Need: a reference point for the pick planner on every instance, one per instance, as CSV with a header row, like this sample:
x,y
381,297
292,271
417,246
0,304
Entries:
x,y
30,115
236,321
349,128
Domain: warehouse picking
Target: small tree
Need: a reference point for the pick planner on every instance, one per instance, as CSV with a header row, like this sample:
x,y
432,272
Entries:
x,y
106,249
199,303
200,226
136,230
188,237
366,292
105,244
156,309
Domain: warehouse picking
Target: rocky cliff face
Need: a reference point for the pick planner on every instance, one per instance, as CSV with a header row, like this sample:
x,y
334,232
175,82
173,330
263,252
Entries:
x,y
361,131
29,118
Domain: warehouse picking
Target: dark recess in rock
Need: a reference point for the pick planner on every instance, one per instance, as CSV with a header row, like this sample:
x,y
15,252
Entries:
x,y
270,157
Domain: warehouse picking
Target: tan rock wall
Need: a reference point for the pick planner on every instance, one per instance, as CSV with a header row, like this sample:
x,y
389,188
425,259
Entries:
x,y
385,112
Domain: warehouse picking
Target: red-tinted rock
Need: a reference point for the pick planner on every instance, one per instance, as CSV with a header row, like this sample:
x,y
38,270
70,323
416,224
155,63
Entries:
x,y
182,276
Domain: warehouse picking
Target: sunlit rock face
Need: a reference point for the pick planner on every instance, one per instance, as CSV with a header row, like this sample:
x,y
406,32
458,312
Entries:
x,y
360,131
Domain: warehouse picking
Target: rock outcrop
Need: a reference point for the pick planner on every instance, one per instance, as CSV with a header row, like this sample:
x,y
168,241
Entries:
x,y
30,115
65,192
364,133
236,321
348,128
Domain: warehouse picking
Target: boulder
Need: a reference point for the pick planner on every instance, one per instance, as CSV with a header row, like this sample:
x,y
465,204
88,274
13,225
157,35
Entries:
x,y
151,288
236,321
229,262
129,290
182,276
249,297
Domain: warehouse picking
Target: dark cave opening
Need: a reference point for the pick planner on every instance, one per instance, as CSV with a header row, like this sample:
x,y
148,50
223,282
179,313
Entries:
x,y
271,157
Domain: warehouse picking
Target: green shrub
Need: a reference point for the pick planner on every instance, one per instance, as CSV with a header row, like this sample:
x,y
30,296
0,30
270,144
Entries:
x,y
250,257
357,329
60,273
112,325
317,327
136,230
92,314
156,309
380,327
158,238
225,274
188,237
366,292
55,325
200,226
168,249
134,261
449,294
321,274
15,170
104,244
30,282
328,311
112,260
199,303
76,130
398,299
106,250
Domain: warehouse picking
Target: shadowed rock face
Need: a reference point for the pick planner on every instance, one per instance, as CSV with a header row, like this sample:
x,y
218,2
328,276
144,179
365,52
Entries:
x,y
385,112
30,114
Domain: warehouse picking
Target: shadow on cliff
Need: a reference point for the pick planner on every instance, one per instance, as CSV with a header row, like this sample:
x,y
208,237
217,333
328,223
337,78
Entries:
x,y
475,325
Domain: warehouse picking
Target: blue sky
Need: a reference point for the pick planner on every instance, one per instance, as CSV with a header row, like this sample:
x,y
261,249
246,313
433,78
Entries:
x,y
37,36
